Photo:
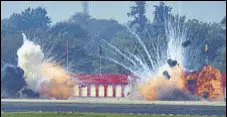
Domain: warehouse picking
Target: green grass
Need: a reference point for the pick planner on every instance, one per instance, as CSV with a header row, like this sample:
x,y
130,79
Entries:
x,y
49,114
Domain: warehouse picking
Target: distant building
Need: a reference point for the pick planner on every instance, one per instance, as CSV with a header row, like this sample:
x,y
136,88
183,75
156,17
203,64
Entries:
x,y
100,85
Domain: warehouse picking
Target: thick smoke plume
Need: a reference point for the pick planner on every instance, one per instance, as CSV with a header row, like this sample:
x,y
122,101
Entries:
x,y
13,84
35,76
41,75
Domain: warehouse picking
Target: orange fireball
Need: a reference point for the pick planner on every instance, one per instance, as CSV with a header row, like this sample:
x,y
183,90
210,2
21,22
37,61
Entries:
x,y
208,83
209,80
157,85
59,84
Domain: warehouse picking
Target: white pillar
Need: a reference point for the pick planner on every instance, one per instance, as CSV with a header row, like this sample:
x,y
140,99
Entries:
x,y
118,91
84,91
92,91
101,91
76,90
110,91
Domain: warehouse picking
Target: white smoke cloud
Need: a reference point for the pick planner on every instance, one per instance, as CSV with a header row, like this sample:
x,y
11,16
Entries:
x,y
30,58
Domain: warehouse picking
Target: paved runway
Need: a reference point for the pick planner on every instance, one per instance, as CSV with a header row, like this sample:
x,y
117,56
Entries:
x,y
219,110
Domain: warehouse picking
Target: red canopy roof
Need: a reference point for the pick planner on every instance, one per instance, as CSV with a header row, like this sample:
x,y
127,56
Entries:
x,y
101,78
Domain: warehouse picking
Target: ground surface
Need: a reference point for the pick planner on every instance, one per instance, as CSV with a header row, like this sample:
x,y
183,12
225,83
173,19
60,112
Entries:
x,y
38,114
117,106
118,101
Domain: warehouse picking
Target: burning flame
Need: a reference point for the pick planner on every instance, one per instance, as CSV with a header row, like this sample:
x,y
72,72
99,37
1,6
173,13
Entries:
x,y
59,85
209,80
158,85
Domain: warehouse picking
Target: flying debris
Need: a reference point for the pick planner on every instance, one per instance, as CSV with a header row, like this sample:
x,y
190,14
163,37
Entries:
x,y
186,43
171,62
191,81
206,95
166,74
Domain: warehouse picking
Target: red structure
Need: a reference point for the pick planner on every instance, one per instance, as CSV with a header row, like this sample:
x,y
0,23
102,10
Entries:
x,y
105,82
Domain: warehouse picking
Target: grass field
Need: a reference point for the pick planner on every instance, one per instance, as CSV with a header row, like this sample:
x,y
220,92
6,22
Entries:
x,y
48,114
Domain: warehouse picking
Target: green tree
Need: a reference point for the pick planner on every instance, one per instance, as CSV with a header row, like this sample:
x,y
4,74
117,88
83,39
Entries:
x,y
10,43
138,13
161,13
80,18
31,18
32,22
223,21
69,29
220,59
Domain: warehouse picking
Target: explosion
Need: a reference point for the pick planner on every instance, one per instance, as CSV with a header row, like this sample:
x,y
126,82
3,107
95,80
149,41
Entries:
x,y
208,84
157,86
59,84
41,75
164,74
170,81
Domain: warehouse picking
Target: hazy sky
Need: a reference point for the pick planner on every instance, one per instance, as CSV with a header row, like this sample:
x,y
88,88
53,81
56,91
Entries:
x,y
208,11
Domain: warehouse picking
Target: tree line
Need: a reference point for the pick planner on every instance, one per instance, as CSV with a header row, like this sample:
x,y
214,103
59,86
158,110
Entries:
x,y
85,35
